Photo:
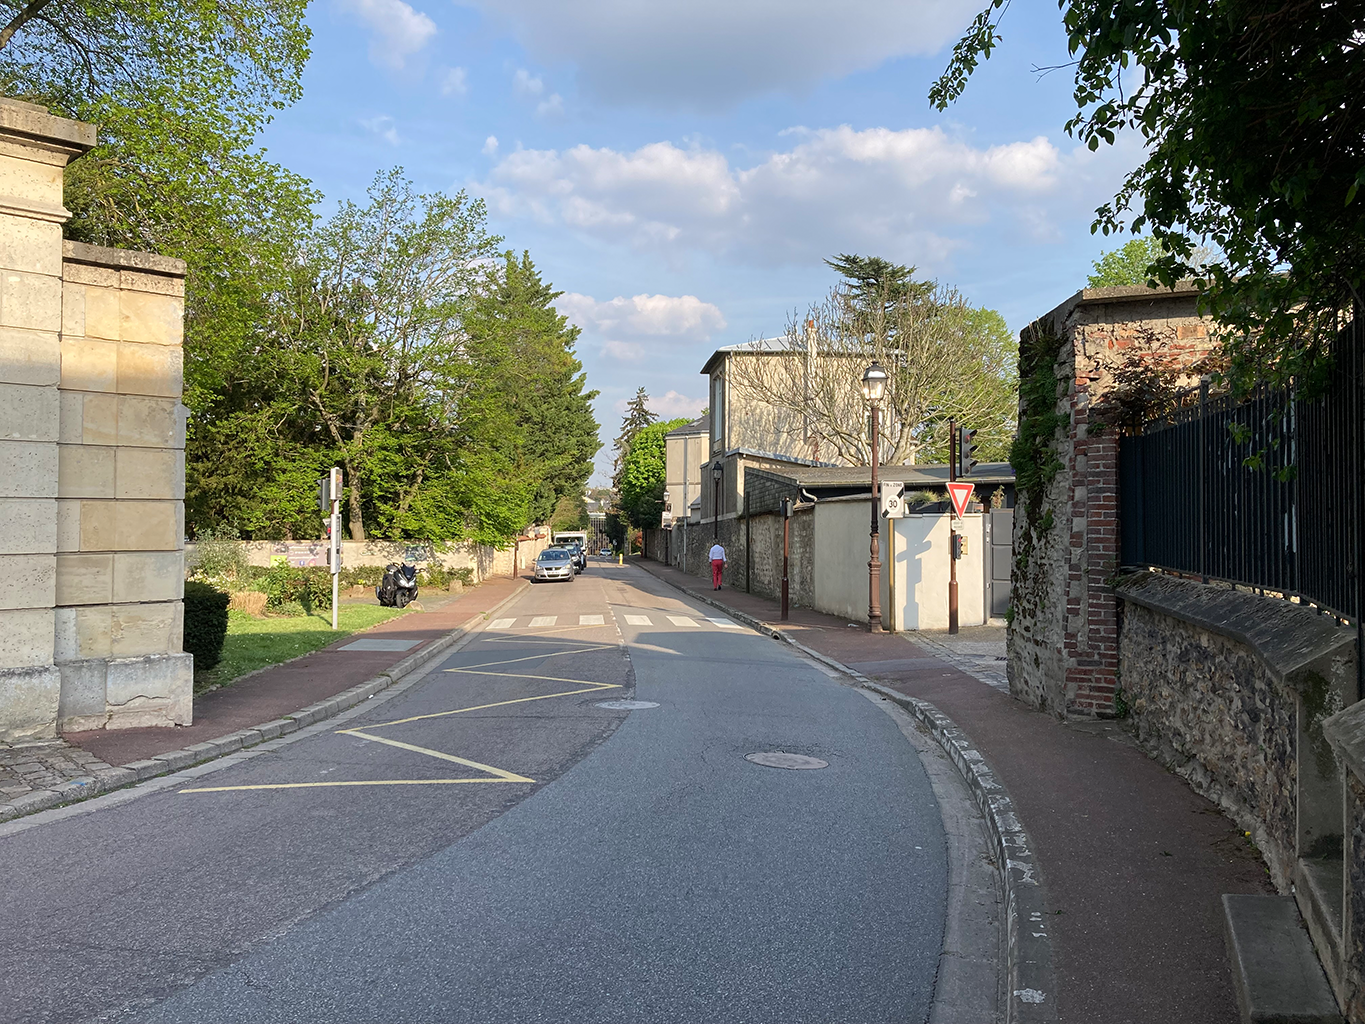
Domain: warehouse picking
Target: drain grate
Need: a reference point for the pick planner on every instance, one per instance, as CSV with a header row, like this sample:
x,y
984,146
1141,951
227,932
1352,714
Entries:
x,y
782,759
627,705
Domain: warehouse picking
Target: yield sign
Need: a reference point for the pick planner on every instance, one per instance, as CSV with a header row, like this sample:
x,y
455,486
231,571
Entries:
x,y
961,493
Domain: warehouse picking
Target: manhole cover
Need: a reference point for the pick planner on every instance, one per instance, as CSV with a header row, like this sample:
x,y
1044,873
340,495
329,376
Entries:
x,y
781,759
627,705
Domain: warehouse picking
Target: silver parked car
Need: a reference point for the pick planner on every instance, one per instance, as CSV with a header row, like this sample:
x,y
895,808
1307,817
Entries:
x,y
554,564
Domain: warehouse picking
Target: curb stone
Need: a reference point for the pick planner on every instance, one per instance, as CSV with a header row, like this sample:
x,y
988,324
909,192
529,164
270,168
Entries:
x,y
109,779
1031,988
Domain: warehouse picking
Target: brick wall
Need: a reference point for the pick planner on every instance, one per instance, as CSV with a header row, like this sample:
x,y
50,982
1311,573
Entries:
x,y
1063,637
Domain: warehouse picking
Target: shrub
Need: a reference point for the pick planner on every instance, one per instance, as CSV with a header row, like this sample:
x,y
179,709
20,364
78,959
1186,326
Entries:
x,y
309,586
219,558
206,622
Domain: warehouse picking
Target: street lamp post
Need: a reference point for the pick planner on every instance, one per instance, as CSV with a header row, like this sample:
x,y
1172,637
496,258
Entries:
x,y
786,549
874,386
717,477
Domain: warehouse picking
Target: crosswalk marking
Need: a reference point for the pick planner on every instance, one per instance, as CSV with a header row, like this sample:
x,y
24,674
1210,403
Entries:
x,y
724,623
684,621
502,624
544,620
590,620
681,620
638,620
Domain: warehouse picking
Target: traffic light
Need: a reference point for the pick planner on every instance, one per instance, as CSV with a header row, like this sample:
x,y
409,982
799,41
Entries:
x,y
959,546
965,462
329,490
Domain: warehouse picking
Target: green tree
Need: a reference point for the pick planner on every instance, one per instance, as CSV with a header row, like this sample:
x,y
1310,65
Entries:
x,y
541,386
873,280
643,475
1126,265
1250,114
636,418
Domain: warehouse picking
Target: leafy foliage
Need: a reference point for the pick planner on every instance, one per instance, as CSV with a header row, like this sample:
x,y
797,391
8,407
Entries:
x,y
206,624
1255,138
643,475
1126,265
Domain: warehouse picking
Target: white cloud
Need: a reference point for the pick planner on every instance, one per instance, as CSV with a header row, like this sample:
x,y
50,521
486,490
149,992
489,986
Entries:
x,y
717,52
396,30
525,84
672,405
910,194
643,317
383,126
490,146
630,351
455,82
551,106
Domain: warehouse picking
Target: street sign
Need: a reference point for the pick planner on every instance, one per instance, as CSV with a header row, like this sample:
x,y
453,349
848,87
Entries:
x,y
961,494
892,499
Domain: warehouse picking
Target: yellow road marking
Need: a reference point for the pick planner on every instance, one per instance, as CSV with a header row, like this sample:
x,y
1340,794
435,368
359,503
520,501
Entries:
x,y
320,785
506,776
590,688
535,657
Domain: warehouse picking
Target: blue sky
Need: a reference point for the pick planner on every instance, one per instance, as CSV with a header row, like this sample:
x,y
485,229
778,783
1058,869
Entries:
x,y
679,169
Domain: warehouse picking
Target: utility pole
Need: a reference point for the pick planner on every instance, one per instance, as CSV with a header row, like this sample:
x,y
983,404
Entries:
x,y
952,530
786,549
329,500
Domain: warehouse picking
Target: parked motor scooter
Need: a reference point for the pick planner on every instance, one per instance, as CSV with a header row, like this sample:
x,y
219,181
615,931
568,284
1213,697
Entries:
x,y
398,587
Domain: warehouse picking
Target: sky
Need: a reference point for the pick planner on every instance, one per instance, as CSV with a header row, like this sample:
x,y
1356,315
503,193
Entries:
x,y
681,168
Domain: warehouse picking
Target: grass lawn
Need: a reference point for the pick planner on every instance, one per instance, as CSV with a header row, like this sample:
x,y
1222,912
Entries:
x,y
254,643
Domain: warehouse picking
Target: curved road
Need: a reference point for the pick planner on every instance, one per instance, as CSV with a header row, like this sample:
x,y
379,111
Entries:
x,y
492,845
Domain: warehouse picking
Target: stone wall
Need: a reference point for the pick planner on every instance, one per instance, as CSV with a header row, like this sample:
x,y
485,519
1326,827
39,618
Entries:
x,y
1063,636
482,560
1239,694
91,459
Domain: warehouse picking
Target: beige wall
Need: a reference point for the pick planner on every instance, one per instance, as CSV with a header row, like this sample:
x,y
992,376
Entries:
x,y
91,459
684,456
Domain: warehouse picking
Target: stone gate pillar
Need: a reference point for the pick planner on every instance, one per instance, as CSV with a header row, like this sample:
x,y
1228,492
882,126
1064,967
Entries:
x,y
92,464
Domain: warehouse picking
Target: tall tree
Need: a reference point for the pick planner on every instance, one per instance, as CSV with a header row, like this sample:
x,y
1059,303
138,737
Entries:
x,y
541,385
944,358
1254,131
636,418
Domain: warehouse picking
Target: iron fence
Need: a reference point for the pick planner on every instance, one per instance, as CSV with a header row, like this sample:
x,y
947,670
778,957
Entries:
x,y
1268,491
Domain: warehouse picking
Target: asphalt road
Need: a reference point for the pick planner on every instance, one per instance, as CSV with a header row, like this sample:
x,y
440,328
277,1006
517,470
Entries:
x,y
492,845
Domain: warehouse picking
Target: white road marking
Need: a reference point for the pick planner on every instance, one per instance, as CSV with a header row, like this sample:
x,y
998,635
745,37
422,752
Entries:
x,y
681,620
638,620
724,623
502,624
590,620
544,620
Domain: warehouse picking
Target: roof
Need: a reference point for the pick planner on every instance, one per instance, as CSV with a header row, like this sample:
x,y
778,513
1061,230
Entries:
x,y
759,346
700,425
913,476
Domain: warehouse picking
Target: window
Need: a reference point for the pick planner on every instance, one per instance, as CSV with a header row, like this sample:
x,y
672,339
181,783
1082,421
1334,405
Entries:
x,y
717,410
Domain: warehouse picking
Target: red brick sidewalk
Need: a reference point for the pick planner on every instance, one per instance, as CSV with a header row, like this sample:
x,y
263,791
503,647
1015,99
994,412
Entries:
x,y
1133,861
282,689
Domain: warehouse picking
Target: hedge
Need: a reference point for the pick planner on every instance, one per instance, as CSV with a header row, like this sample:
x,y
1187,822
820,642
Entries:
x,y
206,623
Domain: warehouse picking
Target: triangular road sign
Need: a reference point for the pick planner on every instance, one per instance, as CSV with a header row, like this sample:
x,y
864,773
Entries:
x,y
961,493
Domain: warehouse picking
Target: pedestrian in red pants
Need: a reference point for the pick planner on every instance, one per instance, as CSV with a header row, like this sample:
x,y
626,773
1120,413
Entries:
x,y
717,564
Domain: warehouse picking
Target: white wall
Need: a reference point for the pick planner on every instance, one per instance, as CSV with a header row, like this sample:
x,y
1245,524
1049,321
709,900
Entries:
x,y
843,532
842,535
921,560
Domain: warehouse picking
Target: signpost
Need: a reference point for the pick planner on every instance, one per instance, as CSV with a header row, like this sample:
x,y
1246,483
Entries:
x,y
329,501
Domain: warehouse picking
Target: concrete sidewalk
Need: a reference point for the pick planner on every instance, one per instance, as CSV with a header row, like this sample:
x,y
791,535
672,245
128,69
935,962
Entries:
x,y
80,765
1133,862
